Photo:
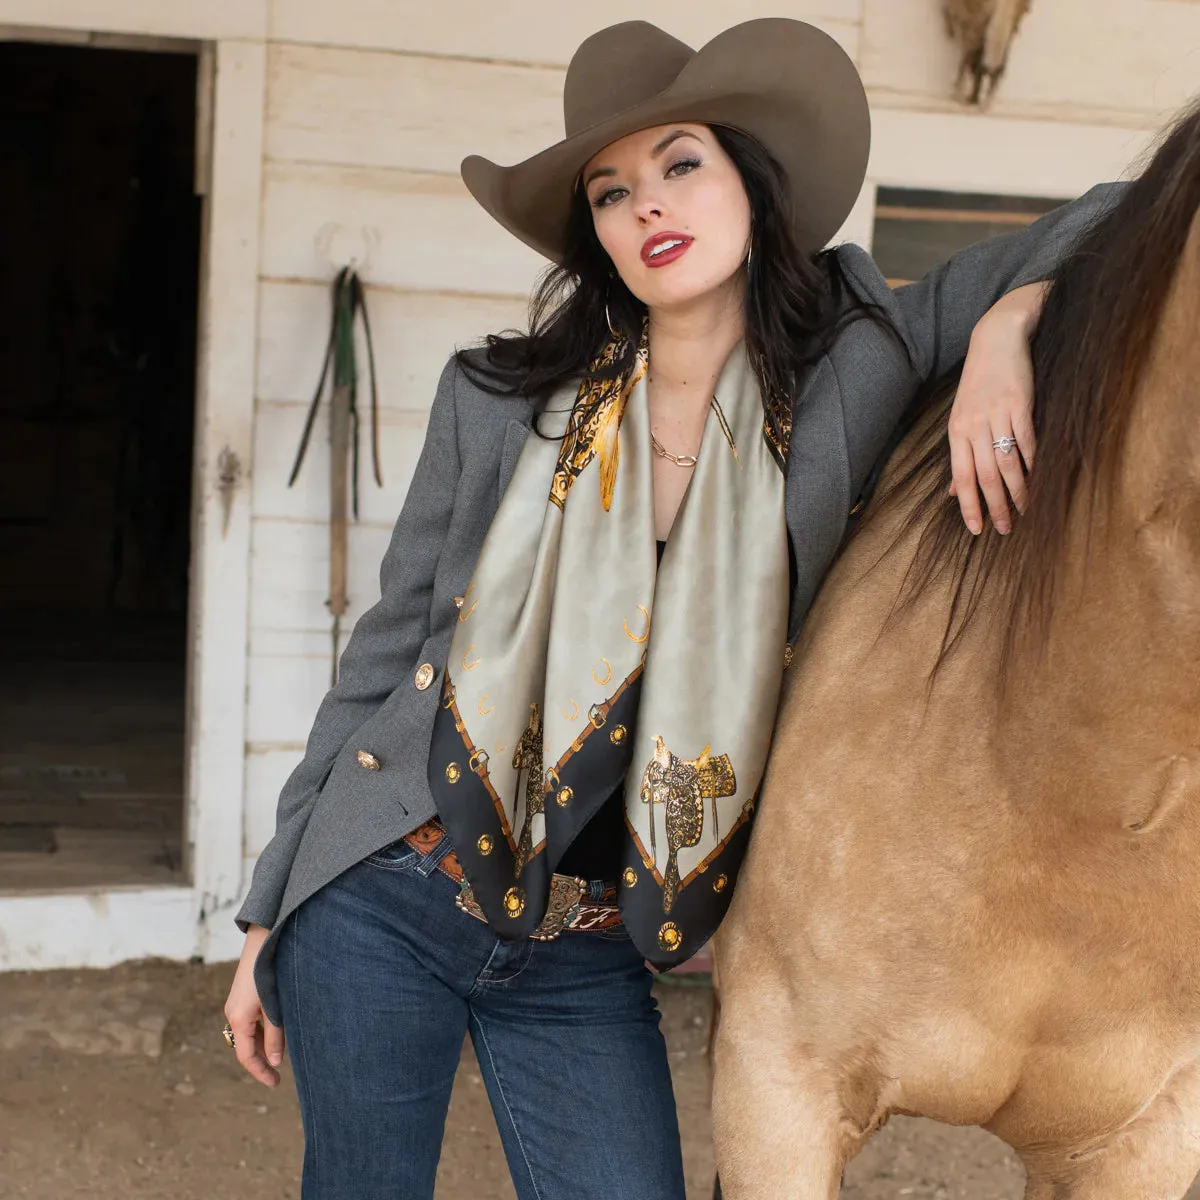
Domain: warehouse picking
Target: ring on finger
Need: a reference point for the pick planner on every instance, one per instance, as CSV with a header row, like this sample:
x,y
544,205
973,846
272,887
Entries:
x,y
1005,444
227,1034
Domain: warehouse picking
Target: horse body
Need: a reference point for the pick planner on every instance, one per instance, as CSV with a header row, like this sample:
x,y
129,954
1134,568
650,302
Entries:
x,y
981,903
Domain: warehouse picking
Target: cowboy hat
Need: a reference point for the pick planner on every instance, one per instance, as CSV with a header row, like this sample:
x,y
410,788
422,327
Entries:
x,y
784,82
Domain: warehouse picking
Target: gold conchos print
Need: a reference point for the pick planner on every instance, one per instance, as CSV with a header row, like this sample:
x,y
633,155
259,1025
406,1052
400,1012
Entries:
x,y
486,845
564,797
669,937
720,883
453,773
618,735
645,636
629,877
514,902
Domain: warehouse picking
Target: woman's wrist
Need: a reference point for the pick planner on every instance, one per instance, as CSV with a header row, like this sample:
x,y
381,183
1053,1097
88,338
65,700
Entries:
x,y
1016,313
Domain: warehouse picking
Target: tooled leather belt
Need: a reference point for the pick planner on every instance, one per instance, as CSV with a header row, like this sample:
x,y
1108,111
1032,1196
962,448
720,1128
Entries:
x,y
568,908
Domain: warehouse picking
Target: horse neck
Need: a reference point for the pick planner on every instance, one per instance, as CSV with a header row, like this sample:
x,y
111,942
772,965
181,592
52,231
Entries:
x,y
1113,698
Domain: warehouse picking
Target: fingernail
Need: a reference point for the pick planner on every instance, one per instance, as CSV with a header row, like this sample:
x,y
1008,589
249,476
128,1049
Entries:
x,y
275,1059
1004,527
975,527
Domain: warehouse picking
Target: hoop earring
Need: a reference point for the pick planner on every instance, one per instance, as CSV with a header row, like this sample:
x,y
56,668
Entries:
x,y
608,319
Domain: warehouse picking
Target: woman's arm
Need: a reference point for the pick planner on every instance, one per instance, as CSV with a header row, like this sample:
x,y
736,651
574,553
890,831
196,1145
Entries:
x,y
936,321
382,650
938,314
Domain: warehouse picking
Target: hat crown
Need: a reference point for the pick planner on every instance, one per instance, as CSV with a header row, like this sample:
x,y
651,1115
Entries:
x,y
619,68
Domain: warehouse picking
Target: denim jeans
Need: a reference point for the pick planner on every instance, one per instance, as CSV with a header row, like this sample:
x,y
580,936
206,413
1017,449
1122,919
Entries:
x,y
380,979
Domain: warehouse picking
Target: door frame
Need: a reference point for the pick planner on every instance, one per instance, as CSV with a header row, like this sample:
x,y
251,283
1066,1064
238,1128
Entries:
x,y
97,927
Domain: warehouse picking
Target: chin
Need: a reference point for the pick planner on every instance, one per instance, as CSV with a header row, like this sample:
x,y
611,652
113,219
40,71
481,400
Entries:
x,y
683,293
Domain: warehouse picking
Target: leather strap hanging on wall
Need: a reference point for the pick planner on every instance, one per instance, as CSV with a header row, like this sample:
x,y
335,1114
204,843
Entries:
x,y
340,361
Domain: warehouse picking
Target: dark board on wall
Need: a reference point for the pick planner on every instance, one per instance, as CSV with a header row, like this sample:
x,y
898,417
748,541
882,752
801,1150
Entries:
x,y
917,229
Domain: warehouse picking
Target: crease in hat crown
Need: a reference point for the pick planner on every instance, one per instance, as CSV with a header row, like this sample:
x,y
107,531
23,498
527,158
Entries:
x,y
784,82
630,63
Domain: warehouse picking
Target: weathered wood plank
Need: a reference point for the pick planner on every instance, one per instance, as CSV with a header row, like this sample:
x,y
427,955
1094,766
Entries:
x,y
400,110
283,695
1133,66
421,231
224,436
959,152
266,772
524,30
290,580
401,436
210,19
414,334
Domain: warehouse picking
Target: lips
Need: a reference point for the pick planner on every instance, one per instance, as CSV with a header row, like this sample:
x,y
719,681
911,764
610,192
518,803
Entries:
x,y
665,248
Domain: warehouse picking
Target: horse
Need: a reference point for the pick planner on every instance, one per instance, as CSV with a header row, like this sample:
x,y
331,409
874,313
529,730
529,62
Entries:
x,y
973,889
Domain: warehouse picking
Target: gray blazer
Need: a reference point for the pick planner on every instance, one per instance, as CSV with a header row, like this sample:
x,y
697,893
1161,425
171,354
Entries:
x,y
333,812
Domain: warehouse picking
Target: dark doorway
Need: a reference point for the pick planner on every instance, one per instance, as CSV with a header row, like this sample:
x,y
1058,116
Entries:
x,y
98,311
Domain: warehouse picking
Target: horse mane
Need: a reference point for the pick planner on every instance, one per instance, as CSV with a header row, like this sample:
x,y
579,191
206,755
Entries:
x,y
1093,342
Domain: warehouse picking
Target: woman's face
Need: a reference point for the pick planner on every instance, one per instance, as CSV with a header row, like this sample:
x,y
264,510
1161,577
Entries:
x,y
670,209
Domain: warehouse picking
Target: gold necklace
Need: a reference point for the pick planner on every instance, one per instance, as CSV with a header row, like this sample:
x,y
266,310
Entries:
x,y
680,460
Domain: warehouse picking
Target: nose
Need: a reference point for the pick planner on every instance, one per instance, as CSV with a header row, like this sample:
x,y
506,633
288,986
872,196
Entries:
x,y
648,207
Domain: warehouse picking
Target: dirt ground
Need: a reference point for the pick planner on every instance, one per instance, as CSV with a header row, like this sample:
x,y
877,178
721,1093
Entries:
x,y
116,1085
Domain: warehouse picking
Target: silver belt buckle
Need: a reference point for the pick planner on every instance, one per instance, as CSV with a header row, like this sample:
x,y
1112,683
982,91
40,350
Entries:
x,y
566,895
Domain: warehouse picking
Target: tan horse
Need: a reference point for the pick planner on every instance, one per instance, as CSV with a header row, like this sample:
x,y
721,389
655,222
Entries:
x,y
973,893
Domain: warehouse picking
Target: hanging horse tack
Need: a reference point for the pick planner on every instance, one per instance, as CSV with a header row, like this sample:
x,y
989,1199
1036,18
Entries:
x,y
349,300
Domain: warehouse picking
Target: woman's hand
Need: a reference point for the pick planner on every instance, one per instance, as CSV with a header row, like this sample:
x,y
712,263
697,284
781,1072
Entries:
x,y
258,1043
995,400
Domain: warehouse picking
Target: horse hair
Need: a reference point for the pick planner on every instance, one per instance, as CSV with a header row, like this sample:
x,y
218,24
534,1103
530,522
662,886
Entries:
x,y
1094,340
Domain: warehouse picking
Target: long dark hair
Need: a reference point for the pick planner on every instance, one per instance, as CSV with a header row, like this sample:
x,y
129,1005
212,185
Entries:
x,y
796,303
1092,345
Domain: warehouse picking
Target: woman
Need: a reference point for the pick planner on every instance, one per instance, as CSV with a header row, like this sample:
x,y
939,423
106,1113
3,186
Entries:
x,y
701,378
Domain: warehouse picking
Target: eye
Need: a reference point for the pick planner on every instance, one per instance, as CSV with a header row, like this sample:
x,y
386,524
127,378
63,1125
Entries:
x,y
685,166
606,197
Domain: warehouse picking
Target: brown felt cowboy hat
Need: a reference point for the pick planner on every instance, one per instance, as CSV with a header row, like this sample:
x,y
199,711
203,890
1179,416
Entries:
x,y
783,82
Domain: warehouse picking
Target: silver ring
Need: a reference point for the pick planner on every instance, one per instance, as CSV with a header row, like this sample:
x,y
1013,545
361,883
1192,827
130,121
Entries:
x,y
1005,444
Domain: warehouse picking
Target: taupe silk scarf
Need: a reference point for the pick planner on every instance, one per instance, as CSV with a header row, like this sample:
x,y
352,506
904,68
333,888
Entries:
x,y
580,665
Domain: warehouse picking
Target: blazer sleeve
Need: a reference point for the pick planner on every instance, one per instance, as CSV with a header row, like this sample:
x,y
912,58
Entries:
x,y
381,651
936,315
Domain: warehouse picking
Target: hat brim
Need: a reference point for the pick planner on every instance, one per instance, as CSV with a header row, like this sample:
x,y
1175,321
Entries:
x,y
784,82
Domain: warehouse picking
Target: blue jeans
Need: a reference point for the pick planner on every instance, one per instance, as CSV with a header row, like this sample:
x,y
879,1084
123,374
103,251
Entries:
x,y
381,978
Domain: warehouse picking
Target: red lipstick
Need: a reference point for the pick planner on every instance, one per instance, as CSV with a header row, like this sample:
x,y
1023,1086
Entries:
x,y
668,255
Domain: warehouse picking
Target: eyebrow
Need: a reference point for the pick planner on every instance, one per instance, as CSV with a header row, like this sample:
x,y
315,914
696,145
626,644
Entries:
x,y
659,147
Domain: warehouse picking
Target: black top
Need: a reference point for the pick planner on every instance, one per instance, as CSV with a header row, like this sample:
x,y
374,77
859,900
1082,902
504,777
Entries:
x,y
596,851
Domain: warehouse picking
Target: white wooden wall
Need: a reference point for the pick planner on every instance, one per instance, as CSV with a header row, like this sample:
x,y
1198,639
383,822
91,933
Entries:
x,y
371,104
